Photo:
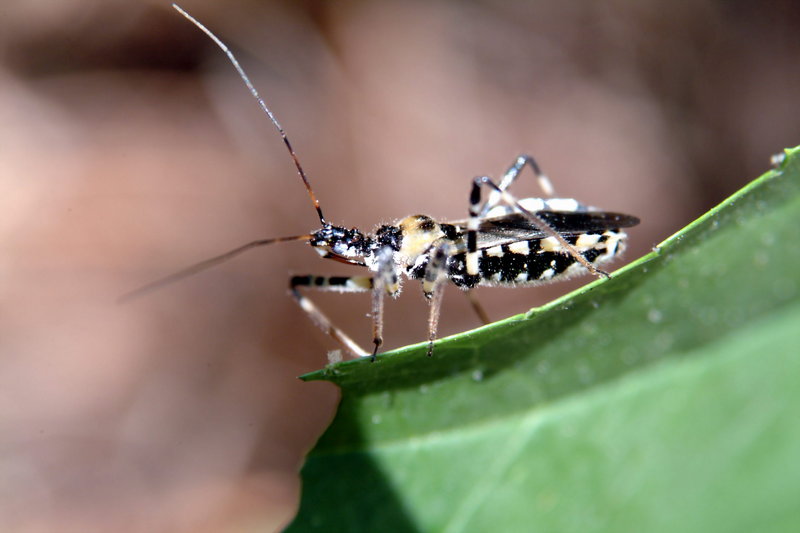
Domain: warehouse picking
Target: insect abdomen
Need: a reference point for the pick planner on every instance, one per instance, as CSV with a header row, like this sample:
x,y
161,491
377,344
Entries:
x,y
534,261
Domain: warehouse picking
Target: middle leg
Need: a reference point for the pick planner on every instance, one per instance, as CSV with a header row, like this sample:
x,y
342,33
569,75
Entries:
x,y
433,284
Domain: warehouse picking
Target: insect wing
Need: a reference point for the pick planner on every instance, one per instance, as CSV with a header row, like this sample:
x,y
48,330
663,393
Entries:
x,y
517,227
586,221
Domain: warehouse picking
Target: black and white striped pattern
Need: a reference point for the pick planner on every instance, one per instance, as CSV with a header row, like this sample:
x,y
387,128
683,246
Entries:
x,y
534,261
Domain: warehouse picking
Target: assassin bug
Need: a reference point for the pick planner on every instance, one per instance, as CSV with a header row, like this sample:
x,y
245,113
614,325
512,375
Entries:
x,y
504,242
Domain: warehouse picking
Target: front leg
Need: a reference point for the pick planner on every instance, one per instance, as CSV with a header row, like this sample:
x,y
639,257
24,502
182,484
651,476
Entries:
x,y
386,281
330,283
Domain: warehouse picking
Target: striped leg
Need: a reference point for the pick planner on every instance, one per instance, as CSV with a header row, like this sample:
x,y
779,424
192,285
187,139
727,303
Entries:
x,y
330,283
475,211
511,175
386,281
433,284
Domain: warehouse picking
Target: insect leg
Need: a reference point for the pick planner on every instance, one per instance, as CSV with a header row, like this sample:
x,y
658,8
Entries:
x,y
511,175
539,222
385,281
477,307
329,283
433,288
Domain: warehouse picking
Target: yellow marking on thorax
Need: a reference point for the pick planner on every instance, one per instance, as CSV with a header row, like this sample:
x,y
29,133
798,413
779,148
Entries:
x,y
419,233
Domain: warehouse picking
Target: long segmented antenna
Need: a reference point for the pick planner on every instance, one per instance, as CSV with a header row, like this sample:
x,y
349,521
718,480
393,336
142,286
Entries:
x,y
202,265
261,103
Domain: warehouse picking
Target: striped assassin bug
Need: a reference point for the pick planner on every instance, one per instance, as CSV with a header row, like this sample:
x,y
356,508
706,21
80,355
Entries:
x,y
505,242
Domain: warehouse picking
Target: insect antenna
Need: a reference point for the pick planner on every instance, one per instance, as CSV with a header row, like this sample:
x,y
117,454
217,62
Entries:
x,y
254,92
203,265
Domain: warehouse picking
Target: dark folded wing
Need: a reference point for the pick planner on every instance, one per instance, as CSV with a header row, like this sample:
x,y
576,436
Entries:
x,y
517,227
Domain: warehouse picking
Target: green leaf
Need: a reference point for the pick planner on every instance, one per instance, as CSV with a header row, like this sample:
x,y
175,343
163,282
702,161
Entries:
x,y
663,399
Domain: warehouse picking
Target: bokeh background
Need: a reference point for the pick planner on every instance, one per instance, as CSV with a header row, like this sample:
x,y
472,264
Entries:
x,y
130,149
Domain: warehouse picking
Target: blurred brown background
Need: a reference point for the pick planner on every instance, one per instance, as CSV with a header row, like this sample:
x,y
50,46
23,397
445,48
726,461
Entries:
x,y
129,148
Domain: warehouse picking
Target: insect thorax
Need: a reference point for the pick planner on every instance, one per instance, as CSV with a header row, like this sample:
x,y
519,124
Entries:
x,y
523,262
